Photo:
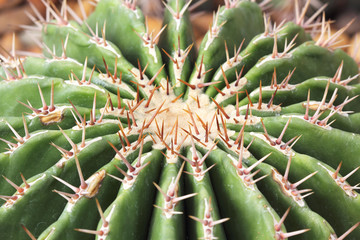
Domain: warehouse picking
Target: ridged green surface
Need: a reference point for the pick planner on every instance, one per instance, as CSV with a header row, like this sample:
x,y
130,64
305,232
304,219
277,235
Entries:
x,y
115,144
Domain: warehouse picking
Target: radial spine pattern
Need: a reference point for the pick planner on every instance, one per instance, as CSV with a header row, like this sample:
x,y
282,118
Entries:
x,y
120,133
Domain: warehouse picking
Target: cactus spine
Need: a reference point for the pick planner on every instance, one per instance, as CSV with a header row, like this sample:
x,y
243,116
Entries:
x,y
110,135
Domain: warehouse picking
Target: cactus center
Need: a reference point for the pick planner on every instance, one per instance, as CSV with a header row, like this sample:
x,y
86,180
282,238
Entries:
x,y
171,113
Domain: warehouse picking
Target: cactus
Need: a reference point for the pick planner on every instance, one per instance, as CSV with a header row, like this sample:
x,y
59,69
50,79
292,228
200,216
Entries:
x,y
124,134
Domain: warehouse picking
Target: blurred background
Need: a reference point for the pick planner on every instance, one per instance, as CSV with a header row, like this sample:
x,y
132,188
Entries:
x,y
14,15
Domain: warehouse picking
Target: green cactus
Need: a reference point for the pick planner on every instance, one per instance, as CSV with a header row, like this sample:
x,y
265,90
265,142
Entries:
x,y
102,140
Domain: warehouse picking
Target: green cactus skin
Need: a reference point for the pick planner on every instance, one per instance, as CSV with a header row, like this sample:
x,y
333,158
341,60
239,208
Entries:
x,y
102,140
298,93
261,45
308,165
163,226
60,67
124,23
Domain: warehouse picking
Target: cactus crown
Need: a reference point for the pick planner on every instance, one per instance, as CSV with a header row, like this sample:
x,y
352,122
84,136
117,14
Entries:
x,y
145,137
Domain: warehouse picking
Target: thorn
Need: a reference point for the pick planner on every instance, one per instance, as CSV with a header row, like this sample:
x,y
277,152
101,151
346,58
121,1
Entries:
x,y
159,33
249,176
118,98
199,74
317,113
342,237
273,79
176,130
272,98
306,195
62,150
167,86
177,179
94,232
224,127
105,223
225,78
173,13
167,198
103,33
76,111
287,168
178,199
195,156
151,95
343,179
266,24
52,107
335,174
219,91
306,116
186,6
317,13
65,195
267,135
114,177
275,48
187,84
77,79
28,232
238,52
128,165
177,98
260,97
18,137
156,113
237,105
333,98
279,140
73,145
124,135
19,189
198,101
250,102
341,106
193,164
337,76
295,185
24,181
249,169
75,189
227,55
201,85
288,46
179,49
83,184
5,198
187,51
9,143
202,221
259,179
286,80
281,221
208,169
240,135
332,39
156,75
140,70
297,139
220,108
219,221
193,120
94,108
36,111
291,234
